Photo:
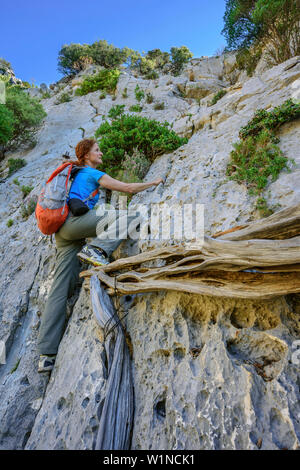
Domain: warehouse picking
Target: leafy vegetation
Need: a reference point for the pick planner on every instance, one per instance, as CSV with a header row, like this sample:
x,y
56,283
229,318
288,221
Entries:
x,y
247,59
20,118
28,208
6,127
152,75
251,25
136,108
104,80
116,111
180,56
9,223
158,106
14,164
256,159
271,120
64,97
262,207
46,95
74,58
4,65
139,94
217,97
26,190
149,98
127,132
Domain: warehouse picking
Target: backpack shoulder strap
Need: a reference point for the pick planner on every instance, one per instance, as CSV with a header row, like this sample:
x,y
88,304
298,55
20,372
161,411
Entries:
x,y
93,194
59,169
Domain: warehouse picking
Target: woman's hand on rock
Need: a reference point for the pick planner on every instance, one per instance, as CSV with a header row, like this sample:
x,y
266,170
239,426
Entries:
x,y
158,181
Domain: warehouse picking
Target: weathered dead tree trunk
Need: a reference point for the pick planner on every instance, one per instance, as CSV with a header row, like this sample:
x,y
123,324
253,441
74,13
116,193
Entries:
x,y
258,260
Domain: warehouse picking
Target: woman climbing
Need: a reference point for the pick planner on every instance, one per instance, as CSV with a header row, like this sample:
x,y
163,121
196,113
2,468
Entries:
x,y
70,242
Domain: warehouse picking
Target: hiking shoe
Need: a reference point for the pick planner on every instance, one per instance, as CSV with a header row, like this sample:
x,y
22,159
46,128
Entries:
x,y
46,363
93,255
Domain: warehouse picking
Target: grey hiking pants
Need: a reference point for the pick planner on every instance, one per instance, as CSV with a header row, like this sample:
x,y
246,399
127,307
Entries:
x,y
69,240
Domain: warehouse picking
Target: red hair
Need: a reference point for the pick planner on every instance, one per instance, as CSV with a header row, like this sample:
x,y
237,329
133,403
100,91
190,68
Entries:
x,y
82,148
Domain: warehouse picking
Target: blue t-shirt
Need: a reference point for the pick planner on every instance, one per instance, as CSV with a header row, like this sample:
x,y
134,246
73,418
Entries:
x,y
85,182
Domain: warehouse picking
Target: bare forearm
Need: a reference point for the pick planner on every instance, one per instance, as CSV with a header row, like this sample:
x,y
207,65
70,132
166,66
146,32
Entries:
x,y
137,187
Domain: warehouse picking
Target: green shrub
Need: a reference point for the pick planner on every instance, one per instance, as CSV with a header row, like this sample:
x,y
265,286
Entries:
x,y
6,128
125,94
161,59
261,205
65,97
149,64
180,56
46,95
102,96
247,59
128,132
14,164
272,25
16,181
271,120
139,94
149,98
4,65
9,223
152,75
24,118
146,65
256,157
26,84
76,57
69,57
108,55
135,108
26,190
104,80
28,208
217,97
116,111
158,106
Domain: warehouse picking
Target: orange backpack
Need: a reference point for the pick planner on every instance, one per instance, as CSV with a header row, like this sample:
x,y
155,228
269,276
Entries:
x,y
52,210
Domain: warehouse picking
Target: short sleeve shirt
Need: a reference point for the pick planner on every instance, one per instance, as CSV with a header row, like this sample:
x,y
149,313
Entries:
x,y
85,182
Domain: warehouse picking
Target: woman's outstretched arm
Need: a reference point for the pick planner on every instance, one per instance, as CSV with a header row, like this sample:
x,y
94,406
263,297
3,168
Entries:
x,y
108,182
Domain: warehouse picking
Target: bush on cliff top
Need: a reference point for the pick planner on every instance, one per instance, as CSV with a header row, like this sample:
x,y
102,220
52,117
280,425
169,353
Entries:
x,y
251,26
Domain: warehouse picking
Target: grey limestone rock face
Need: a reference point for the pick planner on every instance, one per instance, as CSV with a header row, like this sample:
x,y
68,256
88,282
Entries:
x,y
209,373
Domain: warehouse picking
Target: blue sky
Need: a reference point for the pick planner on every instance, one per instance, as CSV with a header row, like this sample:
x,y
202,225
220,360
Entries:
x,y
32,32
